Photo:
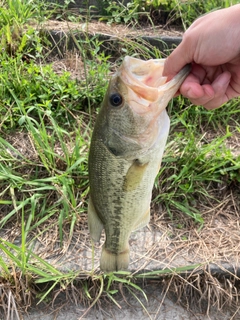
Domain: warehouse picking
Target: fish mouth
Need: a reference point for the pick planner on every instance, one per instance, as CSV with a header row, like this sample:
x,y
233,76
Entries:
x,y
146,85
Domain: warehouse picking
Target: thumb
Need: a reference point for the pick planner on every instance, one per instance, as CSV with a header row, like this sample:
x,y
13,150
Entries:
x,y
176,61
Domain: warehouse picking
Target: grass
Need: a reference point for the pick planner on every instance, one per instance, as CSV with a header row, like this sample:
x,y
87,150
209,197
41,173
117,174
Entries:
x,y
164,12
198,163
46,119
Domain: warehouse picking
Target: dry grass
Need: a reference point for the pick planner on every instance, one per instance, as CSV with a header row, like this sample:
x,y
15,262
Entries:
x,y
16,295
120,31
202,292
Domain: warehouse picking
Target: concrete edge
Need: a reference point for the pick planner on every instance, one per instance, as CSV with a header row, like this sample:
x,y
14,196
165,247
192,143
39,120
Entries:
x,y
62,42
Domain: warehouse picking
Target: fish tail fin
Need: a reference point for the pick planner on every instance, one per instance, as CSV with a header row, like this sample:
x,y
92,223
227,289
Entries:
x,y
111,262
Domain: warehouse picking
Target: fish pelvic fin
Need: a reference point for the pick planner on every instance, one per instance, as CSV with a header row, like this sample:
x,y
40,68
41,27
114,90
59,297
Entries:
x,y
144,221
111,262
95,225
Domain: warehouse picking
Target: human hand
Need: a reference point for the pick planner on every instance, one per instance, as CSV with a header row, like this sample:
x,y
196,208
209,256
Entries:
x,y
212,45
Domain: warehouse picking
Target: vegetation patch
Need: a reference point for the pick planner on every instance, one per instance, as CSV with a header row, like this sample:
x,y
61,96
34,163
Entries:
x,y
47,111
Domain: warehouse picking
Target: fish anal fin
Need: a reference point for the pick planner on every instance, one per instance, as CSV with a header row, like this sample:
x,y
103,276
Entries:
x,y
95,225
144,221
134,175
111,262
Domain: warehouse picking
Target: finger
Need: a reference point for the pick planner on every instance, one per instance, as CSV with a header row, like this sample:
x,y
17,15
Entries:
x,y
220,86
193,87
198,94
176,61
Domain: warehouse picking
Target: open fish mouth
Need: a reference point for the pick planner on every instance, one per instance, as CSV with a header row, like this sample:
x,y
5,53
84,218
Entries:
x,y
145,80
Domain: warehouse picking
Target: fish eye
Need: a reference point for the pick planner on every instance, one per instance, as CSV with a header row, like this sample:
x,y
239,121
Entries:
x,y
116,99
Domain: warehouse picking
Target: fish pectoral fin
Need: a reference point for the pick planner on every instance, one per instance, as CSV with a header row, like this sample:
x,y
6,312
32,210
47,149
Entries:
x,y
134,175
144,221
95,225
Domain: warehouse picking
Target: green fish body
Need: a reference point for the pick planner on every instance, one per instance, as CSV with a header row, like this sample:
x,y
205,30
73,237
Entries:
x,y
125,155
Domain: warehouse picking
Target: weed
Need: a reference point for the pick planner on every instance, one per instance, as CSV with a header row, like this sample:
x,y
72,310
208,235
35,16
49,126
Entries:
x,y
15,37
188,11
118,12
175,11
193,163
28,87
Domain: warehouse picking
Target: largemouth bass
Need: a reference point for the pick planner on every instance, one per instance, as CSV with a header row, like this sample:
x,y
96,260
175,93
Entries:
x,y
125,155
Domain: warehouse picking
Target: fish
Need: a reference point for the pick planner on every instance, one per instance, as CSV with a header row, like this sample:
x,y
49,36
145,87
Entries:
x,y
125,154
